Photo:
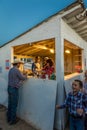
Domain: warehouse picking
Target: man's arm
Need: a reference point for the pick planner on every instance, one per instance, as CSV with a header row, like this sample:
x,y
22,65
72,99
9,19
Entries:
x,y
21,76
65,104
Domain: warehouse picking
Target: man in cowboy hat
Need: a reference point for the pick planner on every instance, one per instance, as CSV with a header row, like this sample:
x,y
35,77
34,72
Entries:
x,y
15,79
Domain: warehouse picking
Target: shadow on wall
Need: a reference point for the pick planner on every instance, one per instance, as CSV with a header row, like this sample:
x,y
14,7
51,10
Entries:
x,y
3,92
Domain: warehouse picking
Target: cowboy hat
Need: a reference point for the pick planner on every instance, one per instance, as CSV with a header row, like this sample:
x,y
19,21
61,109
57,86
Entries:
x,y
16,61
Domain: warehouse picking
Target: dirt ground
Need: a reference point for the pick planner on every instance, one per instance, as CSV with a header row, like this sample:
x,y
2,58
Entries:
x,y
21,125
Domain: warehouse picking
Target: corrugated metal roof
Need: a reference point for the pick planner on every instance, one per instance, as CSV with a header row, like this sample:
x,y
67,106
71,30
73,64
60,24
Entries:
x,y
77,19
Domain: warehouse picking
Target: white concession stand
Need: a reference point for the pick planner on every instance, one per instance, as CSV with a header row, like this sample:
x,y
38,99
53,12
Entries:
x,y
52,38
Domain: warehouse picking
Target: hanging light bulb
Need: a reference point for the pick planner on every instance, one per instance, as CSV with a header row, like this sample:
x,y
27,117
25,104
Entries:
x,y
51,50
67,51
83,14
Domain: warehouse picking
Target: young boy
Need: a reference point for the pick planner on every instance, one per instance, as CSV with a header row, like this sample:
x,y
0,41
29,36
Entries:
x,y
75,102
85,91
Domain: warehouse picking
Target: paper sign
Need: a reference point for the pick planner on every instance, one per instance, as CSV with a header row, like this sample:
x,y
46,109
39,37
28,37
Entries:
x,y
7,64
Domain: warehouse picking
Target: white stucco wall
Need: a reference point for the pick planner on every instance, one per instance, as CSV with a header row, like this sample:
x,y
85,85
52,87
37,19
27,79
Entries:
x,y
37,103
46,30
65,32
70,35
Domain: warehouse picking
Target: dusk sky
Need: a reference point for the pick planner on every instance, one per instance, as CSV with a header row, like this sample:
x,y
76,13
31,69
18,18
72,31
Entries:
x,y
17,16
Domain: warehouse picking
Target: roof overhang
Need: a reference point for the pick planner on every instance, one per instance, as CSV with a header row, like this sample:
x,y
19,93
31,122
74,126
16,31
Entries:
x,y
76,18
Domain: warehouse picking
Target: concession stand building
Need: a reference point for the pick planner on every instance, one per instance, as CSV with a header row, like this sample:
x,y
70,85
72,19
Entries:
x,y
62,38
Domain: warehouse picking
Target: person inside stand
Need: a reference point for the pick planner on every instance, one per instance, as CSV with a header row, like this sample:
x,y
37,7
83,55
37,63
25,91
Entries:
x,y
45,61
85,83
15,80
75,102
85,91
33,65
36,67
48,69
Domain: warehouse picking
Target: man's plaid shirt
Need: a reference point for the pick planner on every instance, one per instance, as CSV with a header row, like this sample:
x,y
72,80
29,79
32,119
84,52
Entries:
x,y
73,102
15,77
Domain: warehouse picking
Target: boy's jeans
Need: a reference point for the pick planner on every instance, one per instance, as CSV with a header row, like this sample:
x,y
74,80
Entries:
x,y
86,122
76,124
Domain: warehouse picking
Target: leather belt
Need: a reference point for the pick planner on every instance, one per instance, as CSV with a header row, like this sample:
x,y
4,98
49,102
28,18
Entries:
x,y
76,117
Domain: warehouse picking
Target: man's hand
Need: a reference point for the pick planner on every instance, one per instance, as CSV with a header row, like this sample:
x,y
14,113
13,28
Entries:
x,y
80,111
57,107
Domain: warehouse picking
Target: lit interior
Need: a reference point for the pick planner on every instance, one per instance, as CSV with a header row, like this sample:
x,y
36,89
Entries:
x,y
72,58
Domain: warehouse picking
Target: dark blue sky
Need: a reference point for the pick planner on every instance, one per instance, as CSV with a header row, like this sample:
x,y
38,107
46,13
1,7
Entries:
x,y
17,16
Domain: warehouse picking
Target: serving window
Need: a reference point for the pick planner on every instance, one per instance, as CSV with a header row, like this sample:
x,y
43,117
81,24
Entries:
x,y
29,51
72,58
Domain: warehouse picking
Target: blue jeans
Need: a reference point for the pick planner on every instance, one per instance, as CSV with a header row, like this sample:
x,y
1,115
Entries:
x,y
12,103
85,121
76,124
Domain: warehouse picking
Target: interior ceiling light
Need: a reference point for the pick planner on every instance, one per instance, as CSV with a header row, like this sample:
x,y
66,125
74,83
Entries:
x,y
83,14
44,47
40,46
51,50
67,51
